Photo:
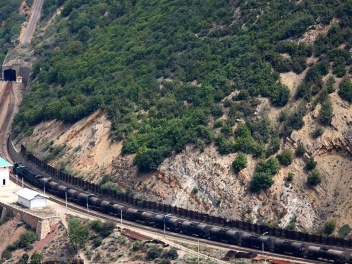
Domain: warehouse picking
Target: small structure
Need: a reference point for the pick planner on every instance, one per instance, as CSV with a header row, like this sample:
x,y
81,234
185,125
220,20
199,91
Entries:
x,y
19,79
31,199
4,172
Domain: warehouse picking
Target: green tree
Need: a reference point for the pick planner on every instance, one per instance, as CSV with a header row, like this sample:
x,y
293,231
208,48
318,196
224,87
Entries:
x,y
97,225
36,258
24,259
299,152
326,113
314,178
311,164
149,159
285,157
345,91
27,239
329,227
172,253
261,180
77,233
240,162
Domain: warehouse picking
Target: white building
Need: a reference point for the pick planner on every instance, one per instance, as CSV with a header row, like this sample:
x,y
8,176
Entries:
x,y
19,79
31,199
4,172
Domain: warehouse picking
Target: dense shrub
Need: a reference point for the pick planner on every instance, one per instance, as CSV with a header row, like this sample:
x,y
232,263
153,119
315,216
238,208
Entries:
x,y
153,252
329,227
97,225
311,164
261,180
37,257
285,157
314,178
263,174
345,90
344,230
172,253
149,159
299,152
318,131
6,254
27,239
240,162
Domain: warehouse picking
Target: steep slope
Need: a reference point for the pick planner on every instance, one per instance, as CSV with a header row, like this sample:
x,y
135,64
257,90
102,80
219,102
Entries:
x,y
159,98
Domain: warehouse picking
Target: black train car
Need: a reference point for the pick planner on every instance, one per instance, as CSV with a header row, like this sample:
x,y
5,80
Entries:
x,y
83,198
312,252
95,202
256,241
196,229
171,223
133,214
61,190
117,208
148,218
289,247
52,186
106,206
225,235
332,254
72,195
42,180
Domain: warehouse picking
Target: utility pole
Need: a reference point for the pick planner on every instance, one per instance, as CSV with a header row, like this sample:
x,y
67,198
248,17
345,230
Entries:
x,y
198,251
263,245
87,205
121,221
66,200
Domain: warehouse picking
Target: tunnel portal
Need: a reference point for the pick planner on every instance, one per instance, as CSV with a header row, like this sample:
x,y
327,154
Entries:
x,y
10,75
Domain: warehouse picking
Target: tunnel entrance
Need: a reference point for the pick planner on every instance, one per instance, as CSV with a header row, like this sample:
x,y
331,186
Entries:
x,y
10,75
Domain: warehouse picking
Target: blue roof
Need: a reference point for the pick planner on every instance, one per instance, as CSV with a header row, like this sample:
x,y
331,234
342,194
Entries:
x,y
4,163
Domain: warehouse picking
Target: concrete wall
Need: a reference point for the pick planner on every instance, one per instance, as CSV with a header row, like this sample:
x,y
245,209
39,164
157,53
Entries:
x,y
40,224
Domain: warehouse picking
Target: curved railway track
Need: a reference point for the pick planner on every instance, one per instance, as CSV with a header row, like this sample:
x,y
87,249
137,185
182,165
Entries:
x,y
8,102
175,236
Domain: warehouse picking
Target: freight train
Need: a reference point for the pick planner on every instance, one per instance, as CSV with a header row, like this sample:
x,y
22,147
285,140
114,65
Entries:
x,y
174,224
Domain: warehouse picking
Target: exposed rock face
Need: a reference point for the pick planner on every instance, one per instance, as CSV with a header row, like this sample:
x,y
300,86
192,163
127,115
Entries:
x,y
205,181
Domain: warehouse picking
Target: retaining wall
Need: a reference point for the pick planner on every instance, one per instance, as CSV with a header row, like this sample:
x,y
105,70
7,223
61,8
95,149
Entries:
x,y
40,224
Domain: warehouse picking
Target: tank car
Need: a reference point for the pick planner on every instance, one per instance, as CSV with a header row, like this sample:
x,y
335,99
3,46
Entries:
x,y
106,206
289,247
332,254
72,195
42,180
171,223
83,198
256,241
52,186
133,214
148,218
95,202
196,229
312,252
117,208
225,235
61,190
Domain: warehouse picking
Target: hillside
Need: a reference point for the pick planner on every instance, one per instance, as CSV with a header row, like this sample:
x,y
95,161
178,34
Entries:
x,y
158,99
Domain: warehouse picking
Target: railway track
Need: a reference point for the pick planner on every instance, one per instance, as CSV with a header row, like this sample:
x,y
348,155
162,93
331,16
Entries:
x,y
8,102
170,235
